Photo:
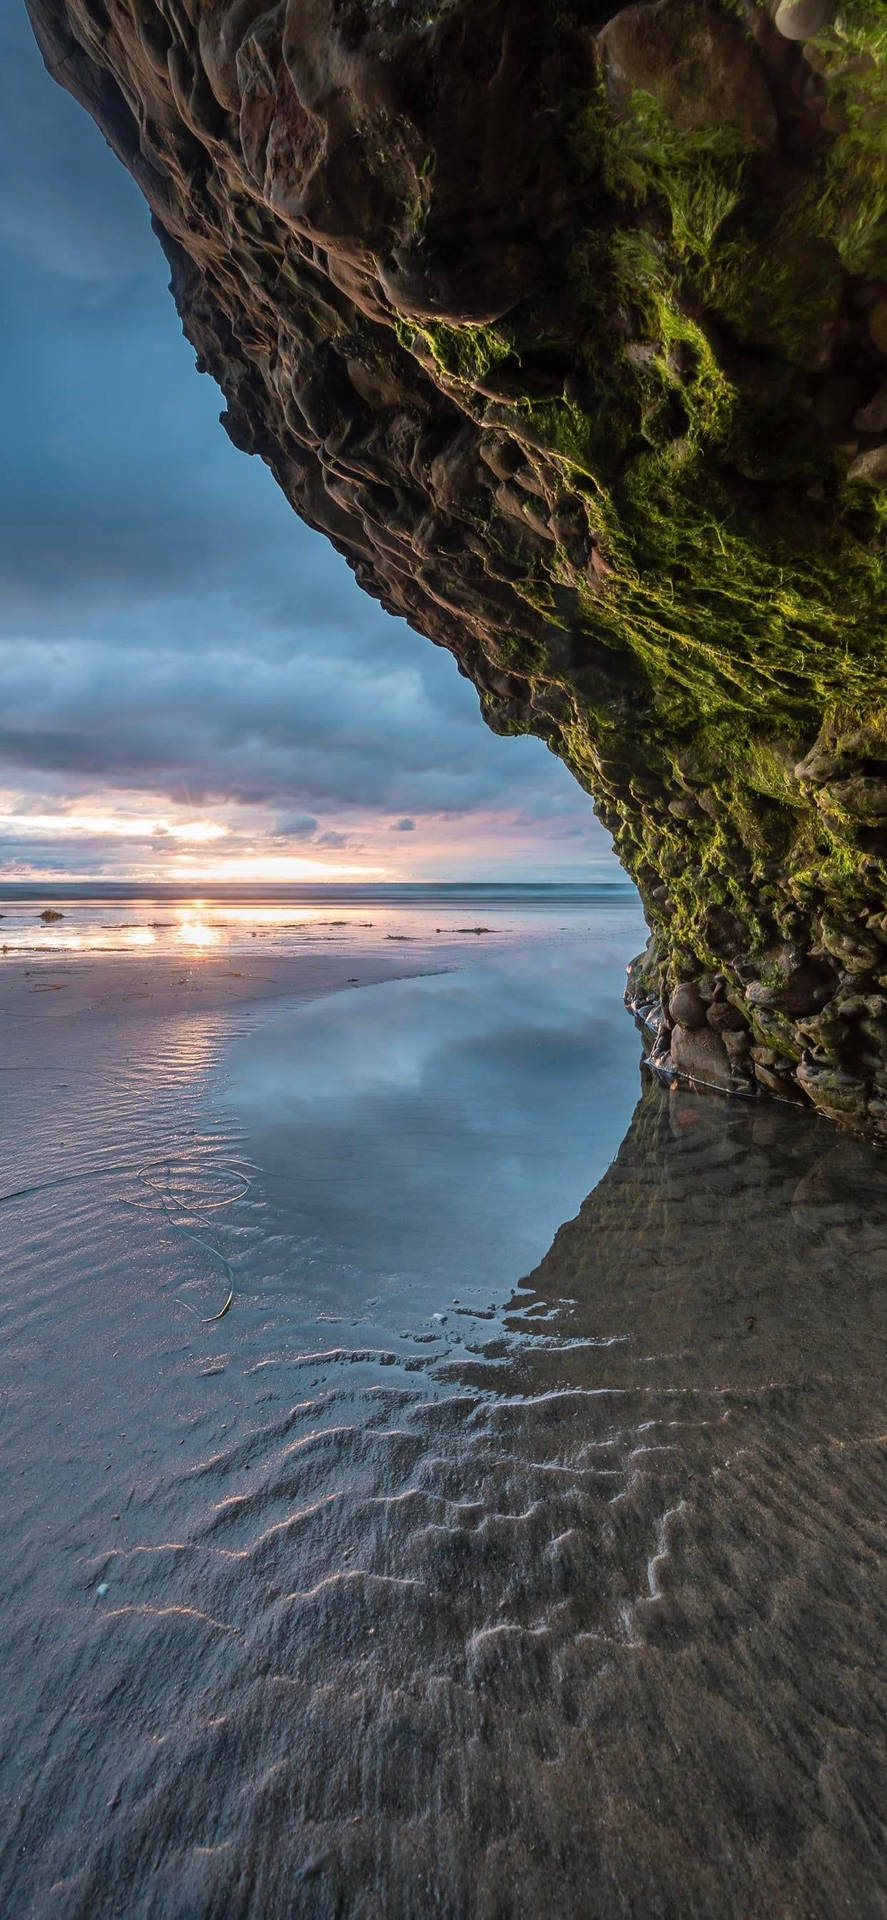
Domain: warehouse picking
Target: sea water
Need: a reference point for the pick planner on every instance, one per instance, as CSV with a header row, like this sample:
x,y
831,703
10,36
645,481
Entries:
x,y
513,1542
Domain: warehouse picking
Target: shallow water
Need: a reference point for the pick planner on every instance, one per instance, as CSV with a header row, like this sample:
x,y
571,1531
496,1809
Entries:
x,y
168,920
467,1566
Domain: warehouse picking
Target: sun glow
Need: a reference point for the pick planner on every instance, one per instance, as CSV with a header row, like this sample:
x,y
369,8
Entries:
x,y
114,826
272,866
196,932
193,830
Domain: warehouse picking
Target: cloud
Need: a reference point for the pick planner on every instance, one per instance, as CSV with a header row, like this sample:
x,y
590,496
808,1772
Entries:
x,y
173,632
302,825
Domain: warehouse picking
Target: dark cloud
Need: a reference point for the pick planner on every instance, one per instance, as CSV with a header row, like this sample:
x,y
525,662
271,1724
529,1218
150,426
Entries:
x,y
169,625
288,825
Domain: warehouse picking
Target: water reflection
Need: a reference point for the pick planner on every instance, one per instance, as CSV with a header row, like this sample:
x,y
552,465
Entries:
x,y
282,925
195,930
429,1135
414,1588
97,939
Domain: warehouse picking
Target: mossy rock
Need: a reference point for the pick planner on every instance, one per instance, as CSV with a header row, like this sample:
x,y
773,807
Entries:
x,y
569,328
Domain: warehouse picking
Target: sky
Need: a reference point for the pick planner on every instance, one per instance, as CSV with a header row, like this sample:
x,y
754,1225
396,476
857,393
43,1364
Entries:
x,y
192,686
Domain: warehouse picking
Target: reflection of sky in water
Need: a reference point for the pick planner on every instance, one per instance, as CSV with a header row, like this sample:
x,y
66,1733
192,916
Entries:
x,y
373,1572
279,926
432,1133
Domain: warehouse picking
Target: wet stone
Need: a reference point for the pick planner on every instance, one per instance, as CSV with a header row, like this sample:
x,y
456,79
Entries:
x,y
725,1018
802,19
840,1095
686,1006
701,1054
778,1083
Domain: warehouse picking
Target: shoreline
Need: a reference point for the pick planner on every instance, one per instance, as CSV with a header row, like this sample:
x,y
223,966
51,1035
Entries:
x,y
76,985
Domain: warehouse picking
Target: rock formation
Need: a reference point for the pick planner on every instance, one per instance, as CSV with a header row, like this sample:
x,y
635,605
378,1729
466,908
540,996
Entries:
x,y
568,326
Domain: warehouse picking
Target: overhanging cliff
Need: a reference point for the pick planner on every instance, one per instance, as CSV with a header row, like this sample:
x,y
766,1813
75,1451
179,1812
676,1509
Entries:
x,y
568,326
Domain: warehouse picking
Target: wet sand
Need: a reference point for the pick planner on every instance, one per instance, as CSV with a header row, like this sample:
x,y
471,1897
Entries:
x,y
72,987
413,1586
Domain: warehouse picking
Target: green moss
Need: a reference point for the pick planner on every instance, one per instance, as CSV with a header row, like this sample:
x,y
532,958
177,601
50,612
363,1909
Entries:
x,y
852,56
464,353
744,611
698,174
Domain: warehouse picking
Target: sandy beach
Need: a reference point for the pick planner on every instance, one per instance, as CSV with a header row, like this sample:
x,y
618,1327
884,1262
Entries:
x,y
519,1523
76,987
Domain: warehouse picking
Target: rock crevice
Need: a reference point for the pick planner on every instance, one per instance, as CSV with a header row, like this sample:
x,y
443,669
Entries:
x,y
568,327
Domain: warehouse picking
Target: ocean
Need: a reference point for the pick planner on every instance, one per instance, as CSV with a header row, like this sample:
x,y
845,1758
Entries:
x,y
443,1469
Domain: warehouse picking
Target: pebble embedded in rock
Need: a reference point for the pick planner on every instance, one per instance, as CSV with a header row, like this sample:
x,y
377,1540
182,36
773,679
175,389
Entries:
x,y
778,1083
802,19
725,1018
701,1054
686,1006
836,400
878,324
806,988
872,418
840,1095
870,467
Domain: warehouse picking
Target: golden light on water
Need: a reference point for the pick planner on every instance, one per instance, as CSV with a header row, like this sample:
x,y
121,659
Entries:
x,y
195,931
66,939
198,925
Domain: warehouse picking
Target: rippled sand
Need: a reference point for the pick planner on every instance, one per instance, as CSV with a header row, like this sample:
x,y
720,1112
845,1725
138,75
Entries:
x,y
412,1586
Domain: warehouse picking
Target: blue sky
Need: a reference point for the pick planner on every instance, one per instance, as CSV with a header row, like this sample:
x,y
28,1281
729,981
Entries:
x,y
189,677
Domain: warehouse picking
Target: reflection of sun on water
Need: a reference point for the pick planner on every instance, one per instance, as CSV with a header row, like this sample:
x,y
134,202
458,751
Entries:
x,y
202,926
66,940
194,931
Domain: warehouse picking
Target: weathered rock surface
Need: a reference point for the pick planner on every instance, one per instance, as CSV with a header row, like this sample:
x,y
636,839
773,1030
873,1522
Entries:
x,y
567,327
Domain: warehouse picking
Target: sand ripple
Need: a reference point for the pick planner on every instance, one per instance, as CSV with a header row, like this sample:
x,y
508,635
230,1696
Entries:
x,y
576,1608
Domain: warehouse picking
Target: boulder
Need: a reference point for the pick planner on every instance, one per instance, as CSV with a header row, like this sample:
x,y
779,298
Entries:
x,y
802,19
701,1055
696,62
686,1006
